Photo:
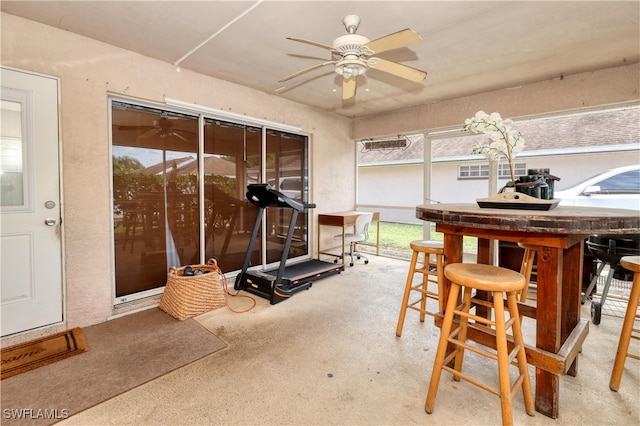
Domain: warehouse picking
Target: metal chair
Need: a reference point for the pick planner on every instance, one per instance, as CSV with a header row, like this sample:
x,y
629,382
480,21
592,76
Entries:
x,y
360,234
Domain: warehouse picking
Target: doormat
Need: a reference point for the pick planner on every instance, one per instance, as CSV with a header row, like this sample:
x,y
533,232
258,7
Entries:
x,y
125,353
45,350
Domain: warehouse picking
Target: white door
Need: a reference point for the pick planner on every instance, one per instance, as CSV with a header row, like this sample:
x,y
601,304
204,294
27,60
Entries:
x,y
30,241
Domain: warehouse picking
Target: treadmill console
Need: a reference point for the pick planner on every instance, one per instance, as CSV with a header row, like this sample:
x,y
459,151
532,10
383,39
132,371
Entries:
x,y
263,195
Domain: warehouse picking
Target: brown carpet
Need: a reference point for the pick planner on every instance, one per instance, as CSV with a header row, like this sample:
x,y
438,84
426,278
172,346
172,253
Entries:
x,y
125,353
45,350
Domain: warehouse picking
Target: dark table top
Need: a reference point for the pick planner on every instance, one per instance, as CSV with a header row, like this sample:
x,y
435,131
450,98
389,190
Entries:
x,y
560,220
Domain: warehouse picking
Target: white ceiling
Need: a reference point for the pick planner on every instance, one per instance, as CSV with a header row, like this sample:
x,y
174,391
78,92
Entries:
x,y
467,47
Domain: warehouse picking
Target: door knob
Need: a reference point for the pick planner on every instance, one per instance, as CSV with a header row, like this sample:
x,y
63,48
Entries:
x,y
49,221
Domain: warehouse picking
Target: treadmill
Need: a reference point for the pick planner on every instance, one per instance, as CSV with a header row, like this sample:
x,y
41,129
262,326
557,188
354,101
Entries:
x,y
281,283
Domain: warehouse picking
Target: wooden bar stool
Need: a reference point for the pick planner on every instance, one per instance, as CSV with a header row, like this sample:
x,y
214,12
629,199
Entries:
x,y
631,263
431,271
527,267
498,281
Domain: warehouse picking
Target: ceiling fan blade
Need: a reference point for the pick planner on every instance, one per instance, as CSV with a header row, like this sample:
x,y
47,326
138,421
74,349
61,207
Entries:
x,y
397,69
393,41
184,132
289,77
348,87
136,127
313,43
315,58
177,135
148,133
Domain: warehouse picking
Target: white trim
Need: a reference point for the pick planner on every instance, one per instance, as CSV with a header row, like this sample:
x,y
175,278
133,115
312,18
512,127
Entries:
x,y
201,205
523,154
133,311
136,297
226,115
582,150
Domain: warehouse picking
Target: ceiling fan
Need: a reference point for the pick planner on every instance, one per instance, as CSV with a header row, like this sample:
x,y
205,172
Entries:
x,y
352,54
162,127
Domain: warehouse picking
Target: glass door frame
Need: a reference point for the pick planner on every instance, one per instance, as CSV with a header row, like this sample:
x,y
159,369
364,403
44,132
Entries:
x,y
202,116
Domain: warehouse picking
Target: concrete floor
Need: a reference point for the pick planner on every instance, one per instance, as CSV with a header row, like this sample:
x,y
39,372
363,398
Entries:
x,y
330,356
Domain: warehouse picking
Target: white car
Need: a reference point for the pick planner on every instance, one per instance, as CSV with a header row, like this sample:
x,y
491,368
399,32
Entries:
x,y
617,189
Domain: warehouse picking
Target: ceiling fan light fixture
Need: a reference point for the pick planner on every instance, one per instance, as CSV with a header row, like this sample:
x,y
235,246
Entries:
x,y
350,68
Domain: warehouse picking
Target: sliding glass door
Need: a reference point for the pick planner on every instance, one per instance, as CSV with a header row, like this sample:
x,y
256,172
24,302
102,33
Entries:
x,y
232,160
287,171
155,204
177,203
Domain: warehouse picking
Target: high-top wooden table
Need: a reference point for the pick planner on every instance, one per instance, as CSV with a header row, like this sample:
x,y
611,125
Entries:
x,y
559,233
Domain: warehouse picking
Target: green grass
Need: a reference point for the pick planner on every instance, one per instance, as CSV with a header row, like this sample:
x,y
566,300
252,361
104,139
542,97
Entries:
x,y
397,235
395,238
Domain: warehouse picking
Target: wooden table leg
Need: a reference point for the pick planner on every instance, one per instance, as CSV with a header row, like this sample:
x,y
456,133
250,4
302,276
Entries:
x,y
485,256
343,242
319,226
452,254
548,326
571,294
378,237
484,251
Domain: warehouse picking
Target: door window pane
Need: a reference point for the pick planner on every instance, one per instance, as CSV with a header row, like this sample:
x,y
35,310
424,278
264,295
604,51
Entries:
x,y
12,189
287,172
231,162
156,221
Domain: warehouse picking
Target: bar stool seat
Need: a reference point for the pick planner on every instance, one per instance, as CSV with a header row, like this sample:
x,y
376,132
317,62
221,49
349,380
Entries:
x,y
497,281
631,263
431,270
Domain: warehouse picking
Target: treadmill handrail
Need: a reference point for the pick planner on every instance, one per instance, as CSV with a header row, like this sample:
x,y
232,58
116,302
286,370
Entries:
x,y
263,195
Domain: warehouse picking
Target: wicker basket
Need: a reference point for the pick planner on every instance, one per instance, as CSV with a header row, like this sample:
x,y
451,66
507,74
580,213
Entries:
x,y
187,296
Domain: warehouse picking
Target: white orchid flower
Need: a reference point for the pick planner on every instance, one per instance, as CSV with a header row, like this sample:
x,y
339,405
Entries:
x,y
507,142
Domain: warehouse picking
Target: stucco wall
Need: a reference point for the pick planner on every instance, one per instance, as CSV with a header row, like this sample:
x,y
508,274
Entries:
x,y
89,71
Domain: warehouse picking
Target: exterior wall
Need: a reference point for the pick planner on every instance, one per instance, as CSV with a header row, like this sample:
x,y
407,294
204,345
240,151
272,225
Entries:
x,y
399,188
570,168
89,72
